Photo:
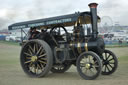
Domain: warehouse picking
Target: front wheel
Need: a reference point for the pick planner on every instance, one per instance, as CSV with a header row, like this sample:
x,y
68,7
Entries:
x,y
89,65
110,62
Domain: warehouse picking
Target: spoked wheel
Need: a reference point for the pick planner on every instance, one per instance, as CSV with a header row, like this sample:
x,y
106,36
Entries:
x,y
36,58
60,68
89,65
110,62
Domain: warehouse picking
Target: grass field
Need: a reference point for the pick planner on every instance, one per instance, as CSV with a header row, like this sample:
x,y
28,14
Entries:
x,y
12,74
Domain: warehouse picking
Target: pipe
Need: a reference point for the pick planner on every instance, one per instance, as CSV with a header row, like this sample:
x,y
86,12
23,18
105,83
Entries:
x,y
94,19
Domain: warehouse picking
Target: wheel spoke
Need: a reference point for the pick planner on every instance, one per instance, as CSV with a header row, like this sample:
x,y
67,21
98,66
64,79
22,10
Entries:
x,y
30,51
82,64
95,62
42,51
105,56
27,54
42,66
105,69
39,50
37,70
28,57
108,57
31,48
89,58
42,55
92,72
83,60
38,66
108,68
30,69
34,69
110,65
43,58
27,62
34,48
30,64
85,70
42,62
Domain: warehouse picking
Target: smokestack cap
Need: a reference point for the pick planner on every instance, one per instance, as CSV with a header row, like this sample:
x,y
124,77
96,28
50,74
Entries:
x,y
93,5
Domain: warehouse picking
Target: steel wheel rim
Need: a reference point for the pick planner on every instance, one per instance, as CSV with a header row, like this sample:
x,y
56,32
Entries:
x,y
34,58
89,65
108,62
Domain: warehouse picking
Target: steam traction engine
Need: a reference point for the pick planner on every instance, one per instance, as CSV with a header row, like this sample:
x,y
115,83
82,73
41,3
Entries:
x,y
55,49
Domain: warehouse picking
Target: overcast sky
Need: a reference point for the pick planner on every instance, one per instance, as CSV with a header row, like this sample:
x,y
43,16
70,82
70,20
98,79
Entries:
x,y
12,11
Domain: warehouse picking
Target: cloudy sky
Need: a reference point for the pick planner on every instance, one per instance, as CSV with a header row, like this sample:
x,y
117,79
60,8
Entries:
x,y
12,11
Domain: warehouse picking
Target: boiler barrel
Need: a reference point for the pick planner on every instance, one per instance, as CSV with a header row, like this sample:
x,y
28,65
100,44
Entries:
x,y
95,46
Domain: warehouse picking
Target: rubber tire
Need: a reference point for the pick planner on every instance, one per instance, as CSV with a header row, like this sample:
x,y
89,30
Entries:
x,y
60,71
78,65
115,66
48,53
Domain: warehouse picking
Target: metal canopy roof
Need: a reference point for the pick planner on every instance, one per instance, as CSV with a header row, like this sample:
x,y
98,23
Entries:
x,y
65,20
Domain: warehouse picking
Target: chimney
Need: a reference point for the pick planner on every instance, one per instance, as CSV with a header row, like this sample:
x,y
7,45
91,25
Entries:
x,y
94,19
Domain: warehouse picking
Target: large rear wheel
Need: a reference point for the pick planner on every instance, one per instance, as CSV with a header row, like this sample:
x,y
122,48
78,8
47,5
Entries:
x,y
89,65
36,58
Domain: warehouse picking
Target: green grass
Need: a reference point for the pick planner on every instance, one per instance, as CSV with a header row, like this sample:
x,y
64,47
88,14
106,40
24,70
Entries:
x,y
9,62
114,45
12,73
9,53
123,59
9,42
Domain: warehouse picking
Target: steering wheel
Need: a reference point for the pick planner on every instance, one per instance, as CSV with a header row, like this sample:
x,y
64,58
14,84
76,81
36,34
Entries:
x,y
56,31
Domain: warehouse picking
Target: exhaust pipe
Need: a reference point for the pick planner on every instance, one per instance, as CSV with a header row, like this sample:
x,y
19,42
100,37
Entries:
x,y
94,19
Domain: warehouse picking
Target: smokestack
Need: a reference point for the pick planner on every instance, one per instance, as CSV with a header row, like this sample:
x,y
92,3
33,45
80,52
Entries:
x,y
93,10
